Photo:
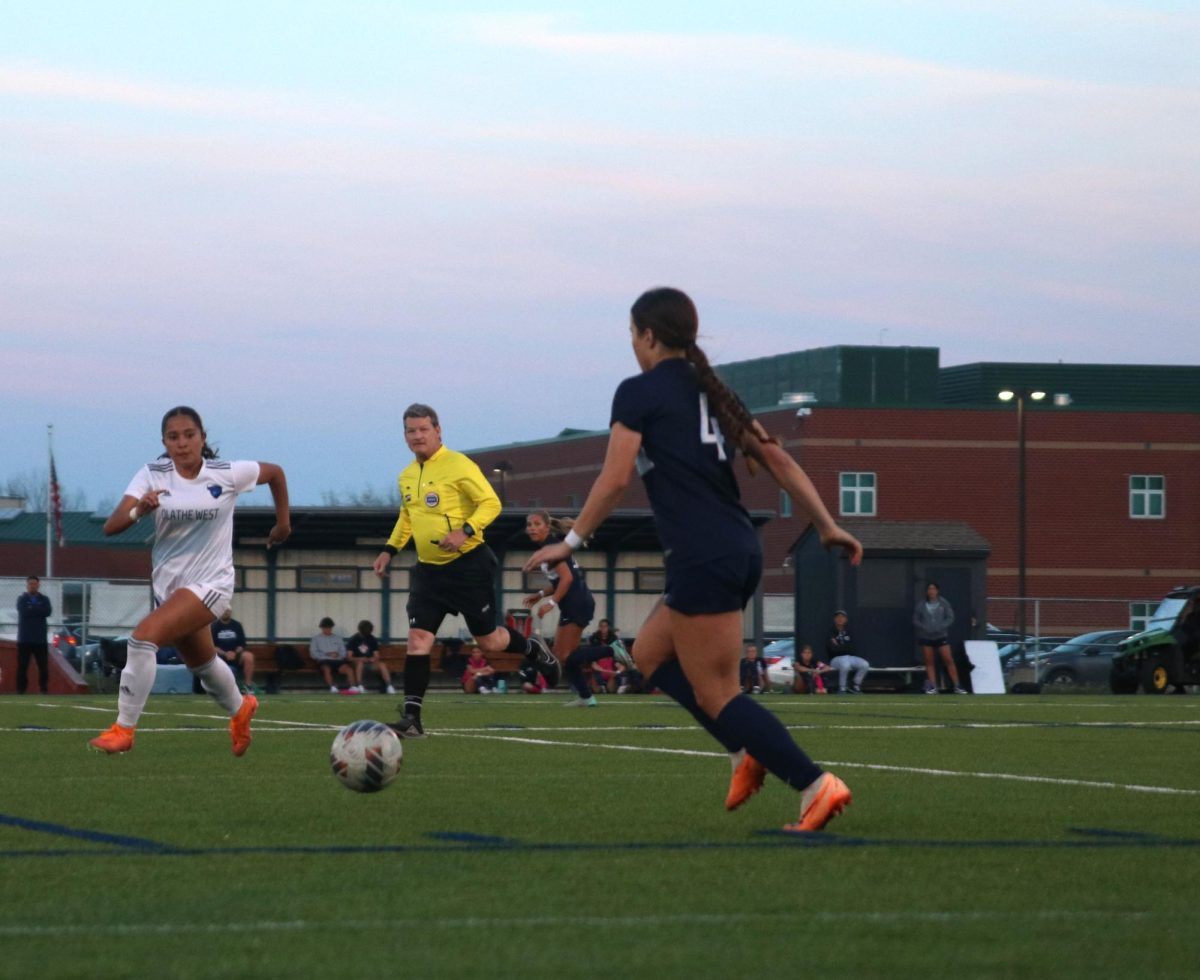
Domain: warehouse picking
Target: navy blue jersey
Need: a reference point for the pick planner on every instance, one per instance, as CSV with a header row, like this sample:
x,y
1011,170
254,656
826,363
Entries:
x,y
578,588
685,464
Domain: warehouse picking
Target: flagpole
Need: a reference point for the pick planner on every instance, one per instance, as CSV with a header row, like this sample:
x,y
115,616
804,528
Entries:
x,y
49,501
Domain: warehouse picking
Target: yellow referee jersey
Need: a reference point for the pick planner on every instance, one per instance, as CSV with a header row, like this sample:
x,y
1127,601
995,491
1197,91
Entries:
x,y
439,496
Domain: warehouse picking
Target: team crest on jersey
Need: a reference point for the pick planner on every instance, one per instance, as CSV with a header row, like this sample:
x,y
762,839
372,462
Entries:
x,y
214,490
432,499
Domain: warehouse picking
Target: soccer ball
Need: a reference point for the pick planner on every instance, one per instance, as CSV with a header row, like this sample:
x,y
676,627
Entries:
x,y
365,756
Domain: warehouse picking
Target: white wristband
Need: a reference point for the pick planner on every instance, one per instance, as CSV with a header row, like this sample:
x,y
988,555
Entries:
x,y
551,602
573,540
134,515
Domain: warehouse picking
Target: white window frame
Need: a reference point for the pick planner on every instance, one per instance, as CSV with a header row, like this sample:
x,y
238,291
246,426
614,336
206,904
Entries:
x,y
1145,494
1140,613
785,504
858,491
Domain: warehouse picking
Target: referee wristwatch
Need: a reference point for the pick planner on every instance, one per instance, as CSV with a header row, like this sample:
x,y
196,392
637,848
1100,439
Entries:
x,y
468,530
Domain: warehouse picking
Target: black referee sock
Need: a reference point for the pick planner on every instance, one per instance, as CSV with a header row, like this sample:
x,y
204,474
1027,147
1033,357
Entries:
x,y
671,679
768,741
517,643
416,682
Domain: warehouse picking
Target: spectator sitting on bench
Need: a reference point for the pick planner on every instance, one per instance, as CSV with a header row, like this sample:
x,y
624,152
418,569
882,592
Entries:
x,y
230,640
364,652
480,676
532,682
754,672
328,651
806,678
842,657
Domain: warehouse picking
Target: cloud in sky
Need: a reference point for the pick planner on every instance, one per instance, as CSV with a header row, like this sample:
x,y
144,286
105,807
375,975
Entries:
x,y
388,211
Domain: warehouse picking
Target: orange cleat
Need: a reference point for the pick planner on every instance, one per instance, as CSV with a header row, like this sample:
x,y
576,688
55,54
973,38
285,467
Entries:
x,y
114,740
830,798
747,780
239,725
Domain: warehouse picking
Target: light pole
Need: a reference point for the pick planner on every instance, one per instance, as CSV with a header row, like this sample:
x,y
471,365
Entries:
x,y
501,468
1019,395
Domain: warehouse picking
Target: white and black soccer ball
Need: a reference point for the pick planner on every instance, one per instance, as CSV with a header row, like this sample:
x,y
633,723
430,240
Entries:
x,y
366,756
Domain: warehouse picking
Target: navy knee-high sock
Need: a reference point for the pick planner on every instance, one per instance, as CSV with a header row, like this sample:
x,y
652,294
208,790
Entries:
x,y
768,741
575,675
416,681
671,679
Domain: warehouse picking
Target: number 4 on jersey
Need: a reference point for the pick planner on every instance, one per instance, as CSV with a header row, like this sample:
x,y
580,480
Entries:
x,y
710,431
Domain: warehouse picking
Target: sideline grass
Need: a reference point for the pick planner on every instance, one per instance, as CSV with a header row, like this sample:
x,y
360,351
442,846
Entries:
x,y
606,852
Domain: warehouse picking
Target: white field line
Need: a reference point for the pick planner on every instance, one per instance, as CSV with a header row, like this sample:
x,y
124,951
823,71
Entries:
x,y
33,931
913,770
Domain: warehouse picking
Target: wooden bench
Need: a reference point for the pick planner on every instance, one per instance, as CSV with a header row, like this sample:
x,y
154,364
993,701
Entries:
x,y
898,679
268,673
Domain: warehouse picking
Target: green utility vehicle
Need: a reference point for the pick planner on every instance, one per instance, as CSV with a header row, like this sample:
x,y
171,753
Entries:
x,y
1166,653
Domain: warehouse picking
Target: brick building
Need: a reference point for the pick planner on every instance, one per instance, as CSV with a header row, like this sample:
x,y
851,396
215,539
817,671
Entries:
x,y
1112,471
1112,515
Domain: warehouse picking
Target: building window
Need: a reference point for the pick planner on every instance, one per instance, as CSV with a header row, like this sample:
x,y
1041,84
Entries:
x,y
328,580
650,580
1148,497
1139,614
785,504
857,492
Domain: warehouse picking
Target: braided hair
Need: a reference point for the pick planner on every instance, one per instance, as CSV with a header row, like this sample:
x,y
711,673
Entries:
x,y
206,452
671,316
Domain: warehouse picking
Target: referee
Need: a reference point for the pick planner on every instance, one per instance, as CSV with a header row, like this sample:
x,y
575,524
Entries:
x,y
445,506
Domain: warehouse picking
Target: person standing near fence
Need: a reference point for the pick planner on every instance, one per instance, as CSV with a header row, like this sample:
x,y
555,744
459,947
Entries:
x,y
33,610
191,494
932,618
679,426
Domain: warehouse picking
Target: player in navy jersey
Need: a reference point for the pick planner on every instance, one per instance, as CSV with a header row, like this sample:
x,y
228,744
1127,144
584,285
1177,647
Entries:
x,y
679,426
191,494
569,592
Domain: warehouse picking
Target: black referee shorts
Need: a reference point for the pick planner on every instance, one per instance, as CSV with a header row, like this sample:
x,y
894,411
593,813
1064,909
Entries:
x,y
464,587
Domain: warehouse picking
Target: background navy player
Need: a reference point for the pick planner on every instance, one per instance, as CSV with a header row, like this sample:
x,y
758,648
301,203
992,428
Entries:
x,y
569,592
679,425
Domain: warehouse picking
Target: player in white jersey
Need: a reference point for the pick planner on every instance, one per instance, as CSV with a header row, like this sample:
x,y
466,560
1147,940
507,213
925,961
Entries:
x,y
191,494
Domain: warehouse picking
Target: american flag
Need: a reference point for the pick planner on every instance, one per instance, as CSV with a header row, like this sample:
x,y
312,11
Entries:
x,y
56,503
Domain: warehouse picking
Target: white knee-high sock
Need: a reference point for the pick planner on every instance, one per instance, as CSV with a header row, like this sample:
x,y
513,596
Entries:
x,y
136,681
218,680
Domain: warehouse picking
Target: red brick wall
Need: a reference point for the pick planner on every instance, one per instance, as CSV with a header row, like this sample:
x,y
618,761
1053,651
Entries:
x,y
75,561
961,464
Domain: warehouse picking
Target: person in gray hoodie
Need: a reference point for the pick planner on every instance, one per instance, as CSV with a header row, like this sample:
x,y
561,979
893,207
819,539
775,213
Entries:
x,y
932,618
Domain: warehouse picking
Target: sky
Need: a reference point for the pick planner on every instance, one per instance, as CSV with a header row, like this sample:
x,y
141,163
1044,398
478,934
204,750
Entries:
x,y
300,217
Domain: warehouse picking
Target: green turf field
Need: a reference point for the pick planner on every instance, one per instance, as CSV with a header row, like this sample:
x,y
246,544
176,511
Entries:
x,y
1002,836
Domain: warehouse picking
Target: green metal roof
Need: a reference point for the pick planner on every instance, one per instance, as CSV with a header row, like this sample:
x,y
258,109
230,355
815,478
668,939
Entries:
x,y
842,375
1156,387
79,528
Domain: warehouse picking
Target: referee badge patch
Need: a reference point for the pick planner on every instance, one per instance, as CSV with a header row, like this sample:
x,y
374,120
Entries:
x,y
432,499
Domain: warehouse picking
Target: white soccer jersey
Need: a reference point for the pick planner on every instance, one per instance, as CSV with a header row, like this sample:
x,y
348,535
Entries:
x,y
193,526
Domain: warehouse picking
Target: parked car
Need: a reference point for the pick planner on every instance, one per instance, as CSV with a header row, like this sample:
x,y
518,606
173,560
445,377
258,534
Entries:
x,y
1085,659
79,651
1016,651
778,656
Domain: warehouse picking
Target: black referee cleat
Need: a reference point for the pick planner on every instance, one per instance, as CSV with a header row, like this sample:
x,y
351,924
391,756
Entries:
x,y
547,664
408,727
